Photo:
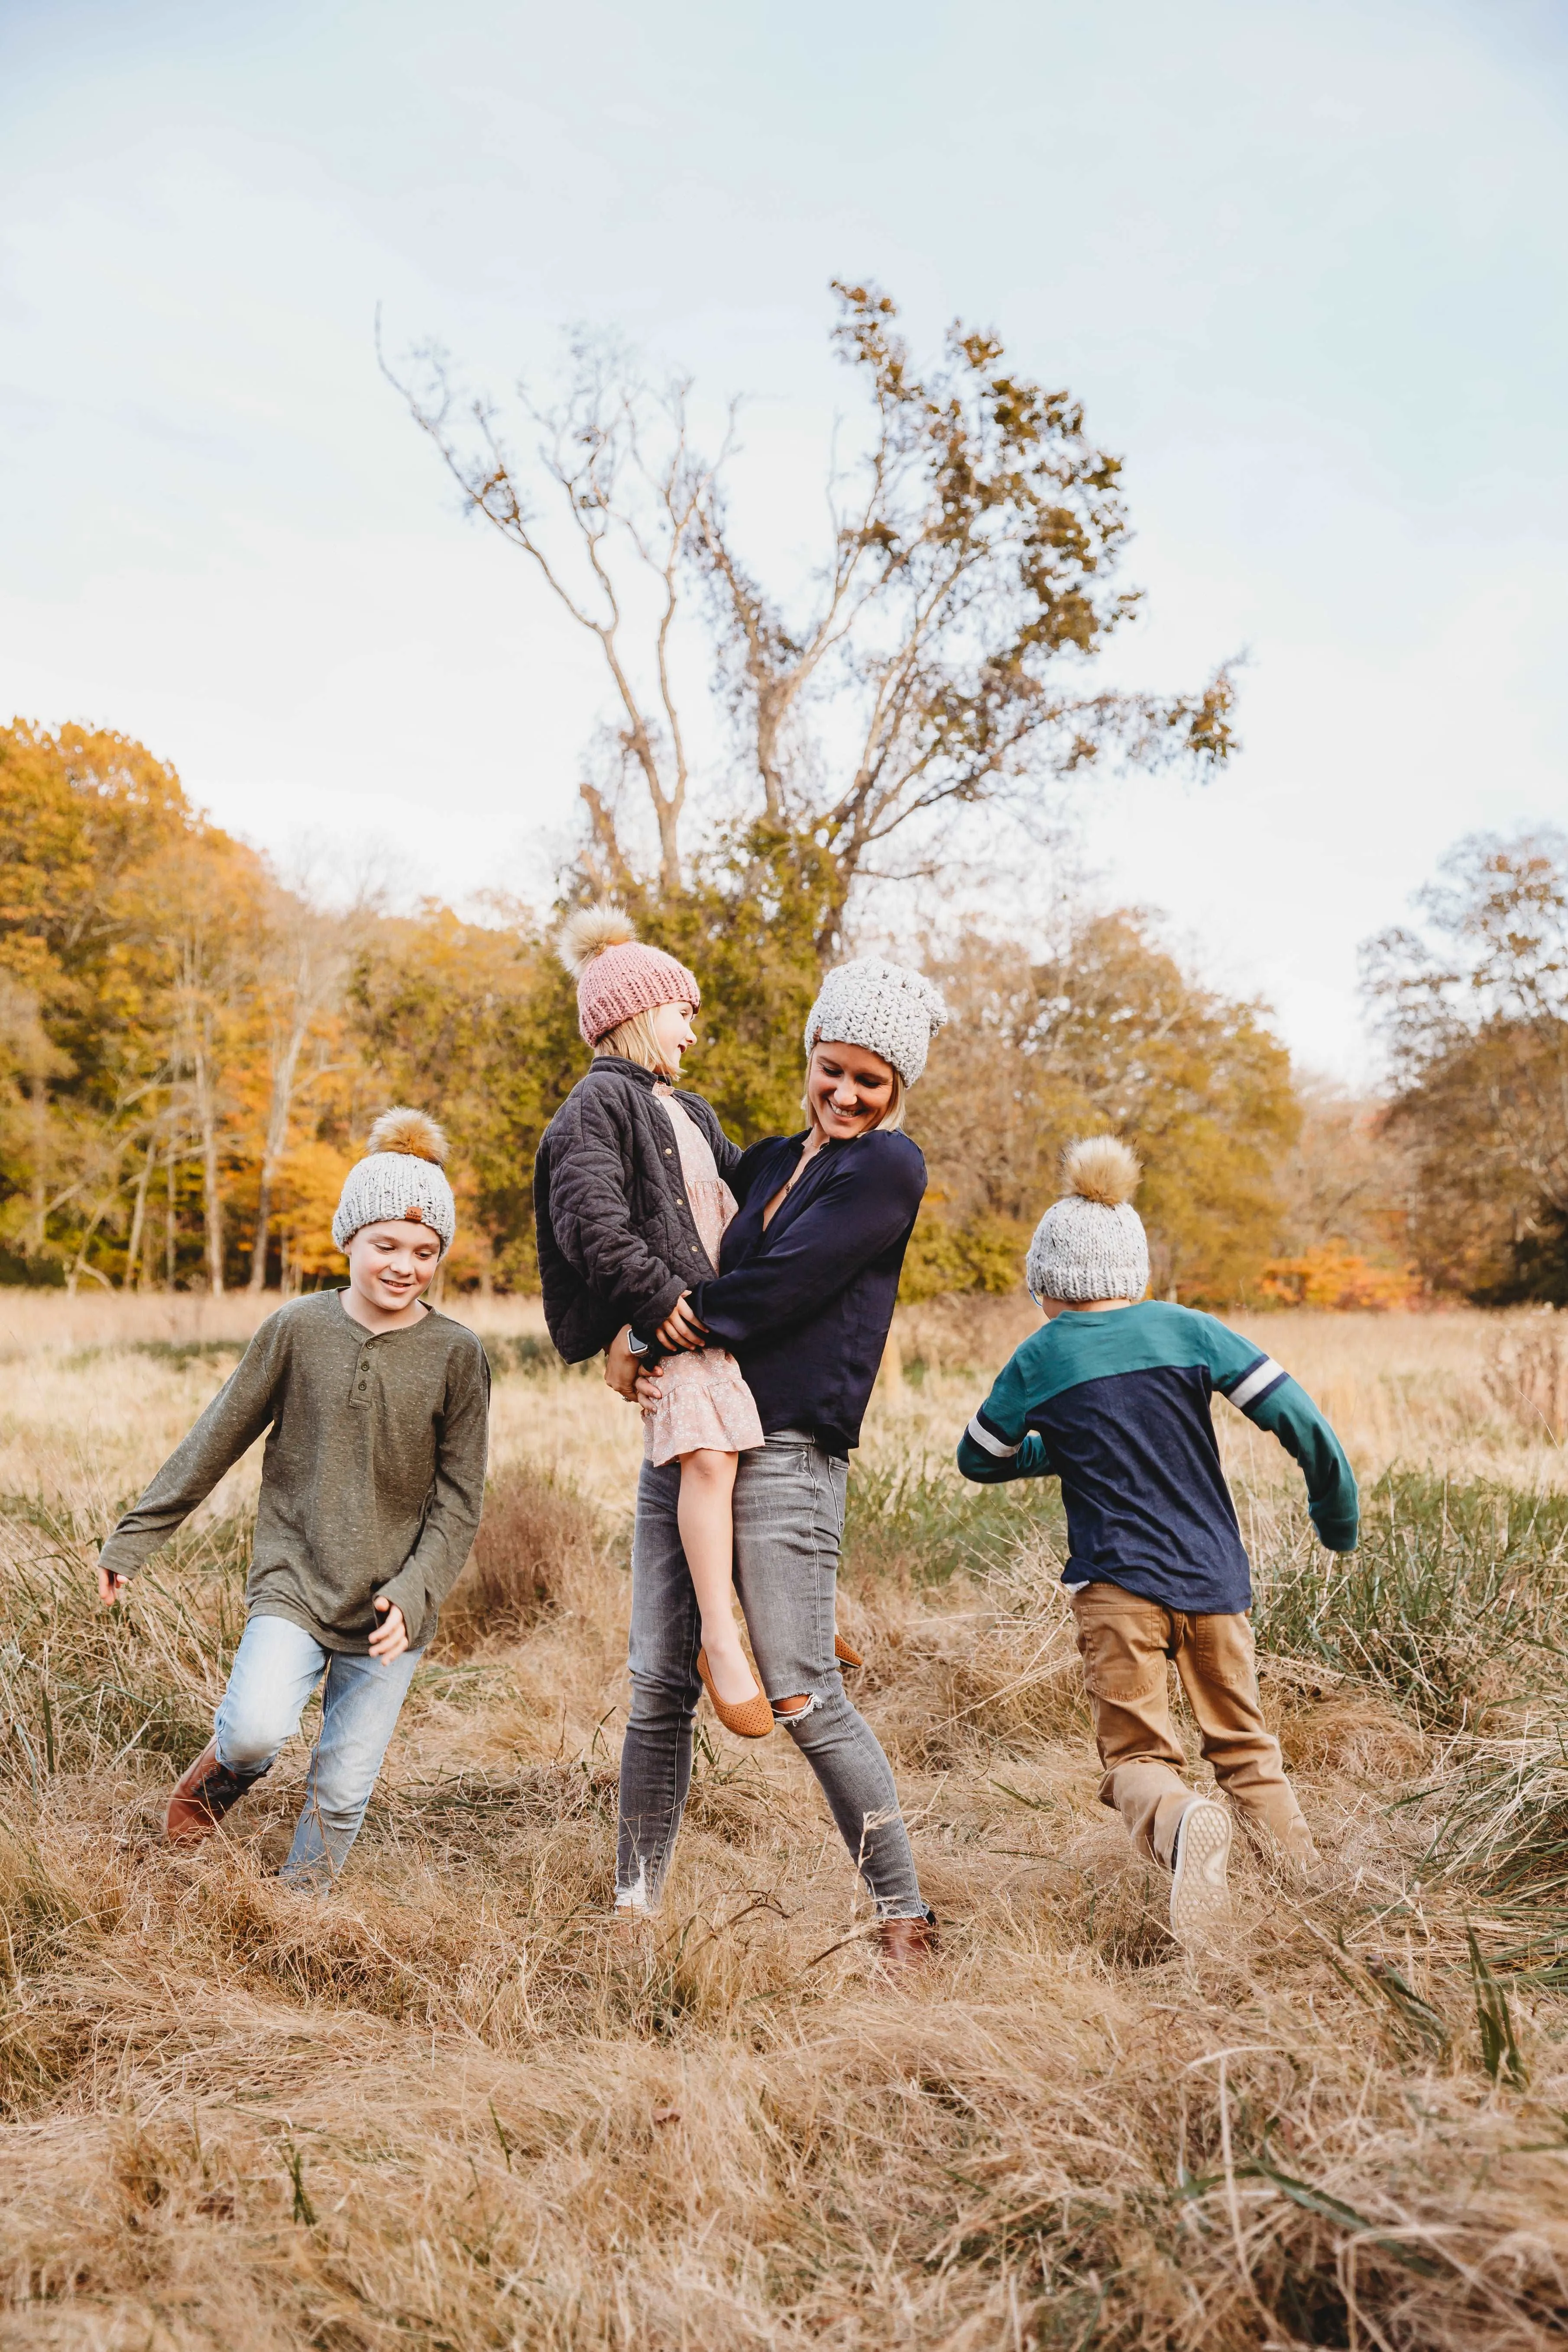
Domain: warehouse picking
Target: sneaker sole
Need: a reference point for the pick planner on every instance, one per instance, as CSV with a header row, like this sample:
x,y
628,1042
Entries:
x,y
1200,1892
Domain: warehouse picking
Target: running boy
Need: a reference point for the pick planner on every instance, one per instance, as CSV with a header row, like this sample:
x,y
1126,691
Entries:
x,y
1112,1398
372,1488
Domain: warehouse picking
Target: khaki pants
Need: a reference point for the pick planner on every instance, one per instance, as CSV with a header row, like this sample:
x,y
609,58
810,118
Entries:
x,y
1124,1642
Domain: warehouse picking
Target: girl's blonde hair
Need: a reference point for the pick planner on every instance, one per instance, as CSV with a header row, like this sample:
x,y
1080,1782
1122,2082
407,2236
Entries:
x,y
892,1118
635,1041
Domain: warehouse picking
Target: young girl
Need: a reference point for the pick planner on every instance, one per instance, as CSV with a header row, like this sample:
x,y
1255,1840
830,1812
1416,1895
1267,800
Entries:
x,y
631,1206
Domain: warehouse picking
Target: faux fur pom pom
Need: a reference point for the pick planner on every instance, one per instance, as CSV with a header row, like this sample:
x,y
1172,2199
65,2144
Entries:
x,y
413,1133
589,933
1101,1167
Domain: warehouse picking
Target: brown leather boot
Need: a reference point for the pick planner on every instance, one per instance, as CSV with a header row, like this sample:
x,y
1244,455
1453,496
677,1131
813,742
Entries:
x,y
202,1795
844,1653
907,1943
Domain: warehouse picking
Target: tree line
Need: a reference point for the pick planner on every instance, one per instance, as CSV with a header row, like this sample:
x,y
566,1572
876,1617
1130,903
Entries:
x,y
192,1052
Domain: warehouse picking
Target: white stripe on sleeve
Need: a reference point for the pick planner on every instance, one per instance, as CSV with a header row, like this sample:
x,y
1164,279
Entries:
x,y
982,1436
1262,1376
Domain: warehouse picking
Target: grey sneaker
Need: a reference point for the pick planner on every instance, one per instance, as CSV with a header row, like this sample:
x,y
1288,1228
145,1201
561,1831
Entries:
x,y
1200,1897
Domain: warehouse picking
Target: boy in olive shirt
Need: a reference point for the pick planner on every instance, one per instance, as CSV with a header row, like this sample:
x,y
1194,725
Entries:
x,y
372,1486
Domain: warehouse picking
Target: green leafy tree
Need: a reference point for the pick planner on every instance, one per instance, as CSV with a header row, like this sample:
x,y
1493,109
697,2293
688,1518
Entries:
x,y
476,1023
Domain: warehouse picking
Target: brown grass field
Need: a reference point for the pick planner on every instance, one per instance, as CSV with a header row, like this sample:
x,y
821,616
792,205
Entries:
x,y
451,2107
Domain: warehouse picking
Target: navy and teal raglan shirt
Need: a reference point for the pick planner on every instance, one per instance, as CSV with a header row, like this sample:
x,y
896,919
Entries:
x,y
1116,1405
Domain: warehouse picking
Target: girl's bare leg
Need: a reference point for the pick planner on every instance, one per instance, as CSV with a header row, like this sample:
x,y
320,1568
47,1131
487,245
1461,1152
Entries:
x,y
705,1515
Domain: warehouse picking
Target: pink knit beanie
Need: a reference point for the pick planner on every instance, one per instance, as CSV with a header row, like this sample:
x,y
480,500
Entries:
x,y
617,974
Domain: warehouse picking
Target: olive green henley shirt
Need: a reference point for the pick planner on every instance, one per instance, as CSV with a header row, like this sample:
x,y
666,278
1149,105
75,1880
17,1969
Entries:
x,y
373,1477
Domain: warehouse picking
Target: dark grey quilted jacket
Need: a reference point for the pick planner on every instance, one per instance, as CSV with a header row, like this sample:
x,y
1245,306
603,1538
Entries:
x,y
617,1242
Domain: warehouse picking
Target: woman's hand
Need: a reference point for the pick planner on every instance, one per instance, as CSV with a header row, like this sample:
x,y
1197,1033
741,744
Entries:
x,y
681,1327
109,1586
621,1366
390,1638
648,1392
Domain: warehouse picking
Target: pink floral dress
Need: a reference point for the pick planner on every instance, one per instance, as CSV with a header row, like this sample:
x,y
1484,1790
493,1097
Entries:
x,y
706,1403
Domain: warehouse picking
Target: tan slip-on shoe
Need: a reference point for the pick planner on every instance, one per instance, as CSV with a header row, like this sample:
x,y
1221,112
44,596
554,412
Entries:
x,y
1200,1890
201,1796
752,1718
844,1653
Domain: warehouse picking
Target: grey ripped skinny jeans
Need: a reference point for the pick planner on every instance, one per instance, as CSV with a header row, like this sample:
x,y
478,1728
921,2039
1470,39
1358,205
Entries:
x,y
789,1520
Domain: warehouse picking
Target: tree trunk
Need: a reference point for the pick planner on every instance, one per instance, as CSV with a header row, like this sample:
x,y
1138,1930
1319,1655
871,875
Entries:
x,y
171,1196
212,1200
257,1281
284,1072
139,1215
38,1104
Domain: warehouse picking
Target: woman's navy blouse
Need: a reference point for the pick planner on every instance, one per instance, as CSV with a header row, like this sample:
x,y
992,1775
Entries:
x,y
804,1304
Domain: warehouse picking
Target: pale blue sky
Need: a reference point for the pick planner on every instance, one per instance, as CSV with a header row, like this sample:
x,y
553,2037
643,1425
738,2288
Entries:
x,y
1307,266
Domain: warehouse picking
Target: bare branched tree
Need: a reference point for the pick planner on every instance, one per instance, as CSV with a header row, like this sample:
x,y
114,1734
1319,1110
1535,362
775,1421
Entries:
x,y
617,451
1474,1002
940,657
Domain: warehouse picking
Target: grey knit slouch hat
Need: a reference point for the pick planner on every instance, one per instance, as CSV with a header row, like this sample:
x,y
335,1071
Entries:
x,y
885,1007
400,1176
1091,1242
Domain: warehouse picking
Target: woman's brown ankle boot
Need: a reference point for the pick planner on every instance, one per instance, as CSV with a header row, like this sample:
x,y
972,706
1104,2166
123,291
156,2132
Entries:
x,y
905,1943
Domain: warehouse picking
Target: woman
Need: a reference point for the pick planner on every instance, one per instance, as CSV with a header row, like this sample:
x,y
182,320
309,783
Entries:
x,y
803,1300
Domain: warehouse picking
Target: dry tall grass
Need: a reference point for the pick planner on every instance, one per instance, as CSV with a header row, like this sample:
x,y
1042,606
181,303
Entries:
x,y
452,2108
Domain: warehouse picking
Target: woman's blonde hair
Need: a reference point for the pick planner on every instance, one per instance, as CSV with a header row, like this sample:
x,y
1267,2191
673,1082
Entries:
x,y
635,1041
892,1118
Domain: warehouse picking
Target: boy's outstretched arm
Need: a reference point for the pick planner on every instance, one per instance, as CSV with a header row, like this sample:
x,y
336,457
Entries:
x,y
236,1418
1265,1392
998,1444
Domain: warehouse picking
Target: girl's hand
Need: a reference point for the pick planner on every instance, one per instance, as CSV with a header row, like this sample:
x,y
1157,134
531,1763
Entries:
x,y
109,1586
681,1327
390,1638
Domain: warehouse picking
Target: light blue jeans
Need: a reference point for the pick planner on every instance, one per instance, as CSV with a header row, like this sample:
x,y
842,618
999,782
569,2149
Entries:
x,y
276,1668
789,1523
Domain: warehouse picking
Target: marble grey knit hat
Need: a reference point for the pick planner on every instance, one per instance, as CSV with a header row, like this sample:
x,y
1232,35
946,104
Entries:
x,y
1091,1243
400,1176
885,1007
